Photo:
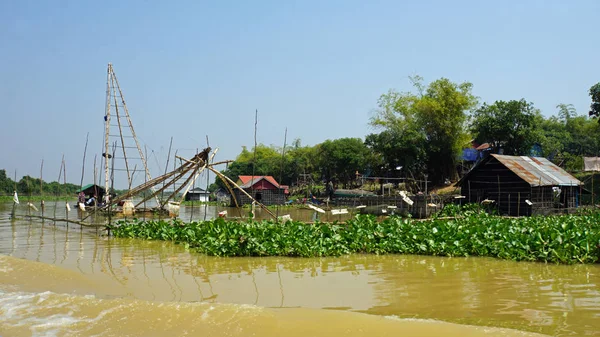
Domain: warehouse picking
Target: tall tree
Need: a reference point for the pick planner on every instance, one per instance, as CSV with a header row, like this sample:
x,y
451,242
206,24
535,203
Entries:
x,y
510,126
436,115
566,112
398,148
595,106
340,159
567,137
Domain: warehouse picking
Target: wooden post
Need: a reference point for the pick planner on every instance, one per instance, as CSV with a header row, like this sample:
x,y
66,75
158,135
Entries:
x,y
543,200
65,184
593,202
519,204
14,208
60,171
145,181
95,182
469,183
578,199
426,215
42,187
509,204
281,173
498,199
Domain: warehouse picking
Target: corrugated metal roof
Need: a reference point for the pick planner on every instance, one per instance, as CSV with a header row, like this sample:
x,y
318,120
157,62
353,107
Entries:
x,y
198,190
88,186
538,171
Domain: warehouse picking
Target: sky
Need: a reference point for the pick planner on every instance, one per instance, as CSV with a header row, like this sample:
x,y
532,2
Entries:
x,y
192,69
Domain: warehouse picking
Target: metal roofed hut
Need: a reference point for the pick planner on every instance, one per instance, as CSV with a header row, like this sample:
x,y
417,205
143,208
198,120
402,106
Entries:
x,y
264,189
520,185
197,194
91,190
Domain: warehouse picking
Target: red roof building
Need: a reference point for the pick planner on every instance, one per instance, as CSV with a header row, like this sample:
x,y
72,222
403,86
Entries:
x,y
264,189
258,182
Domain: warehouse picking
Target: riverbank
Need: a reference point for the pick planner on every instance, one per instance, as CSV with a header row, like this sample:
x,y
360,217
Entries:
x,y
565,239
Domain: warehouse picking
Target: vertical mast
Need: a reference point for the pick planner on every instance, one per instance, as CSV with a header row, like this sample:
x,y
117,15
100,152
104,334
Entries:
x,y
106,153
137,144
114,97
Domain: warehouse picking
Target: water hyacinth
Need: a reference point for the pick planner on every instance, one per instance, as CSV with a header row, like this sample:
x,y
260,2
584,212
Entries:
x,y
557,239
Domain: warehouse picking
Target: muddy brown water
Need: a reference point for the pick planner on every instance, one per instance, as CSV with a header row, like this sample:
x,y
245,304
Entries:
x,y
59,280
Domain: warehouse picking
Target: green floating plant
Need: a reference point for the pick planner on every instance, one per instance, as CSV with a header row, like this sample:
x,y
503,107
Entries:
x,y
470,232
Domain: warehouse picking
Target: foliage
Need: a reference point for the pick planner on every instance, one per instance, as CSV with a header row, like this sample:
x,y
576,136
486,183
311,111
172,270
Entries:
x,y
595,106
397,148
557,239
434,117
567,138
340,159
31,186
454,210
267,161
337,159
511,126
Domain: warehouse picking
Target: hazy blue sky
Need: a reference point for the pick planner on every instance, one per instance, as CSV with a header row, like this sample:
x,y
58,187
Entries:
x,y
193,68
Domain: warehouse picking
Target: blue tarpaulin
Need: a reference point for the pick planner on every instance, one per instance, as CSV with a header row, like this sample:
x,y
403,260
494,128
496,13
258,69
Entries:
x,y
469,155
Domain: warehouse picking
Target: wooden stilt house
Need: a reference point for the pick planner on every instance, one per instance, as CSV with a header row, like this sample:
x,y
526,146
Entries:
x,y
520,185
264,189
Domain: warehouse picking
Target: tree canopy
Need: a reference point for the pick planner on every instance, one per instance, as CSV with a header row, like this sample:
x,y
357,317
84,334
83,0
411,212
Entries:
x,y
510,126
434,118
33,186
595,106
425,131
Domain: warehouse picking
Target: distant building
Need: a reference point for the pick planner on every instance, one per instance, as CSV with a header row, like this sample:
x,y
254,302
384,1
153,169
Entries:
x,y
197,194
264,189
520,185
222,195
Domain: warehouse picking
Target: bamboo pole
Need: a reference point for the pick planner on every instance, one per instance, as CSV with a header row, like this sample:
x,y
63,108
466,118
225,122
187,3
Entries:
x,y
167,165
58,185
175,189
14,208
254,160
282,166
28,196
95,180
42,206
207,182
112,183
120,131
83,164
137,144
85,224
65,184
145,180
222,176
107,118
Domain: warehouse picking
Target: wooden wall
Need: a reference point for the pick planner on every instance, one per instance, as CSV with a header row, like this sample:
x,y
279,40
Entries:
x,y
266,197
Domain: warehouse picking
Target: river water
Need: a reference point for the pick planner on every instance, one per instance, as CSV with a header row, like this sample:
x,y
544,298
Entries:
x,y
59,280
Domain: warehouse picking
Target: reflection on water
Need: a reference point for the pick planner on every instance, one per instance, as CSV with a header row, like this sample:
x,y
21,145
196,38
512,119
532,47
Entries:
x,y
549,299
